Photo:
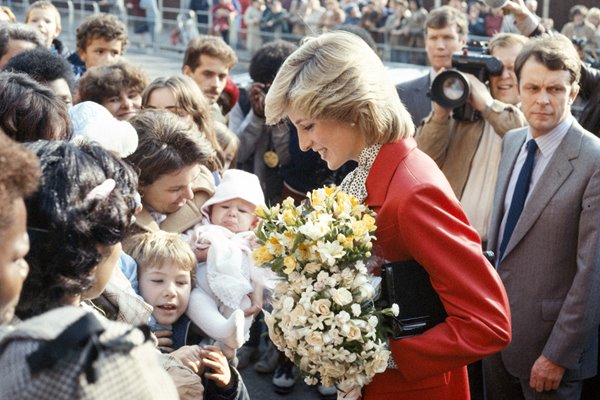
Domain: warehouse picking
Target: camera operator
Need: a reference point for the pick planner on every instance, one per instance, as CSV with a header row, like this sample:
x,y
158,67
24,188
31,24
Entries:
x,y
468,152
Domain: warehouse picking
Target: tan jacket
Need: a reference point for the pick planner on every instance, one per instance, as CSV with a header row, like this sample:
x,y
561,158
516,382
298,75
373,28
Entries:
x,y
452,144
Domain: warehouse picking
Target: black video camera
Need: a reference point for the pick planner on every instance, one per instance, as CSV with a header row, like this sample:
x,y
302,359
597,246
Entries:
x,y
450,88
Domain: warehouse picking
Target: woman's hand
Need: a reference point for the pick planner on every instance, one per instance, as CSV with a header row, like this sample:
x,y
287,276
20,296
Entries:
x,y
212,357
165,343
190,357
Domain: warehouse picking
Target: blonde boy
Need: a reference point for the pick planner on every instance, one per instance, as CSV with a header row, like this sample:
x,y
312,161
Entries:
x,y
45,18
166,268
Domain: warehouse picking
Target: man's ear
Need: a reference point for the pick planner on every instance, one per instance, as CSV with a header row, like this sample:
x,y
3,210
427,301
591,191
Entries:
x,y
186,70
574,92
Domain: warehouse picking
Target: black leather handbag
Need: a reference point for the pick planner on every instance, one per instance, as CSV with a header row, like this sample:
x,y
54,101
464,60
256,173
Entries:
x,y
407,284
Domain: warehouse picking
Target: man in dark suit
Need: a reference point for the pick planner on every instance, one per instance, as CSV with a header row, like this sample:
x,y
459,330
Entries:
x,y
445,32
546,234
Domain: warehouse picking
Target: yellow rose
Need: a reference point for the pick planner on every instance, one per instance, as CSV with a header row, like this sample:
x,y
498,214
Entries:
x,y
369,222
262,255
290,264
359,228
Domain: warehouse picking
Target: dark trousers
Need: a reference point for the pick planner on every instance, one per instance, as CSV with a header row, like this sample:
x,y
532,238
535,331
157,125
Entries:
x,y
502,385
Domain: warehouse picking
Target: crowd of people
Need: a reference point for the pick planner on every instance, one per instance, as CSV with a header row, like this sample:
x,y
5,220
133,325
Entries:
x,y
130,202
395,23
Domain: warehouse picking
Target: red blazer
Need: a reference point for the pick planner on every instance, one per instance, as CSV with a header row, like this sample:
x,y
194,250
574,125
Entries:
x,y
420,218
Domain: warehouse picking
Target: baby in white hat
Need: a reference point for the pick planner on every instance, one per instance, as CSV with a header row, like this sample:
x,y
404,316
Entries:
x,y
229,288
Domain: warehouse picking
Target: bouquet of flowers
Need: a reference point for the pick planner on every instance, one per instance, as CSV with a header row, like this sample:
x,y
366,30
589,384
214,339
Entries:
x,y
324,317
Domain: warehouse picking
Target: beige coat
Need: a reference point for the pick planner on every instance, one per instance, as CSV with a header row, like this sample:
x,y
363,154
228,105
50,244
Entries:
x,y
452,144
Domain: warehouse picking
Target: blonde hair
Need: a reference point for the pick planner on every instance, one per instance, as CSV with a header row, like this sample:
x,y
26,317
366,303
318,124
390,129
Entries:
x,y
506,39
337,76
44,5
155,249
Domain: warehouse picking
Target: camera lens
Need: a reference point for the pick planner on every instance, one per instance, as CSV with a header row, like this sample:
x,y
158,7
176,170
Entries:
x,y
450,89
453,88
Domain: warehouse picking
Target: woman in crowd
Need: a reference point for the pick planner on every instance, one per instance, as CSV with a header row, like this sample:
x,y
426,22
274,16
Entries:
x,y
180,95
173,179
118,87
335,91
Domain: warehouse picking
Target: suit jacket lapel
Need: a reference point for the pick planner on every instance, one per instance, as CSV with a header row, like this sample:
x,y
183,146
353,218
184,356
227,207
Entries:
x,y
556,173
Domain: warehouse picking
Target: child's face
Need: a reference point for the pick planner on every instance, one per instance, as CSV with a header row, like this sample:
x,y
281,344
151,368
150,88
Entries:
x,y
167,289
237,215
44,20
100,51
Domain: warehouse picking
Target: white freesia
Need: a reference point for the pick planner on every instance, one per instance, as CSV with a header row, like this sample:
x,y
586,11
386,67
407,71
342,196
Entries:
x,y
330,251
314,230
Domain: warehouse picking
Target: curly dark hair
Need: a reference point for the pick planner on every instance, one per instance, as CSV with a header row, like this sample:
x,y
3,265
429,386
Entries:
x,y
65,228
266,61
100,83
42,65
30,111
166,144
101,26
19,178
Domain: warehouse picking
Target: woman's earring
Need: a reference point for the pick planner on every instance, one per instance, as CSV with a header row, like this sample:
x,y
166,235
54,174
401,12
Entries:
x,y
352,124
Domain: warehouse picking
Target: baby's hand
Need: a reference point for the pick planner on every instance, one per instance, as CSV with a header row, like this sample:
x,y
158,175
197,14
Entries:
x,y
212,357
165,342
256,299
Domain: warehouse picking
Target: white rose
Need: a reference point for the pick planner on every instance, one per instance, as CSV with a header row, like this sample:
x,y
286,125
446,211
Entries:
x,y
354,333
356,310
322,306
342,317
342,296
314,338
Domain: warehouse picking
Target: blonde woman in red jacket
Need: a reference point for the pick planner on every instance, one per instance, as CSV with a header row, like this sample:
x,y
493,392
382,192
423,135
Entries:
x,y
335,91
